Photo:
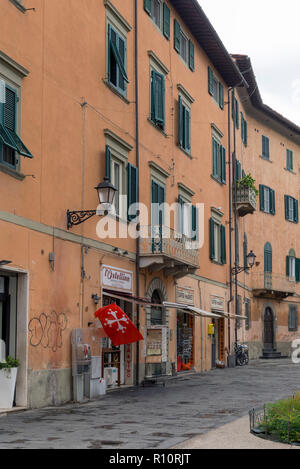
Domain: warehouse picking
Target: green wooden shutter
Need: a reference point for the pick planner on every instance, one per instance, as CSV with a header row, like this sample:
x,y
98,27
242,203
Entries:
x,y
180,214
297,270
132,197
147,6
167,15
187,130
268,258
107,163
245,133
177,36
161,200
233,106
10,107
210,81
215,157
223,164
238,170
180,122
287,266
296,214
158,98
221,95
212,238
272,201
223,244
286,207
195,235
237,114
191,56
262,197
242,126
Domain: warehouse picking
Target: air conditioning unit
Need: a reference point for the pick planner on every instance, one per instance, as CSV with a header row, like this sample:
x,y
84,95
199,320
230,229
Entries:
x,y
108,376
111,376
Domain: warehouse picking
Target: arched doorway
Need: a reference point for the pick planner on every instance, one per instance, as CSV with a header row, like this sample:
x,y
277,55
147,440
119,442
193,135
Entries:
x,y
269,330
156,312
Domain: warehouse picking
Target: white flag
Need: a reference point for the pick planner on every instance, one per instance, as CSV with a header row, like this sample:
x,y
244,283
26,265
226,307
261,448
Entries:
x,y
2,91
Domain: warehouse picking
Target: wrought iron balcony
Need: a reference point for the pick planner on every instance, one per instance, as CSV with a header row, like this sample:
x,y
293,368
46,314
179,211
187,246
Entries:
x,y
162,248
245,200
269,285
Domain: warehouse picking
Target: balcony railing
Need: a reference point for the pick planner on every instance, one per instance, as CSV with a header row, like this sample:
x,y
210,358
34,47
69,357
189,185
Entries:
x,y
245,200
273,285
165,246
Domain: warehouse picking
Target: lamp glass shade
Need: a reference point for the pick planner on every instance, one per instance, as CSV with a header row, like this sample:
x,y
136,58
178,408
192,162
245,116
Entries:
x,y
251,258
106,192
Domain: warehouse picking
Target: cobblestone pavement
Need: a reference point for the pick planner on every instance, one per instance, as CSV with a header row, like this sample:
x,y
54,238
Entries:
x,y
153,417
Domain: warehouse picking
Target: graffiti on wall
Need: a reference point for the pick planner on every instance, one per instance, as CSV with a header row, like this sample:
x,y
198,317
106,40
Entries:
x,y
46,330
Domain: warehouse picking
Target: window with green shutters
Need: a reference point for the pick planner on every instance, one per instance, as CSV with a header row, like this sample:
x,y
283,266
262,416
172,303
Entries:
x,y
217,241
293,318
291,209
184,46
235,111
289,160
265,147
187,219
215,88
244,130
158,99
117,60
238,170
132,191
267,199
184,125
160,14
10,142
158,198
292,265
219,161
268,263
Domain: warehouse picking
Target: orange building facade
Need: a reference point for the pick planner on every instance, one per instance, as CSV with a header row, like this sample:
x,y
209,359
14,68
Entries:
x,y
139,93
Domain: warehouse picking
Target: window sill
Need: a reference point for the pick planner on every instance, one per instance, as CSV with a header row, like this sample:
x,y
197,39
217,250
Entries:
x,y
12,172
217,263
157,127
290,171
114,90
268,213
18,5
218,180
292,221
265,159
185,151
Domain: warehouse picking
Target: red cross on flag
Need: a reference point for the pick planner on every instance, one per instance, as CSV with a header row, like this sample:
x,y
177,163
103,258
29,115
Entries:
x,y
117,325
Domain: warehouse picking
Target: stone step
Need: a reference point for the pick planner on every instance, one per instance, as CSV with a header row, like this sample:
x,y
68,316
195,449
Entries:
x,y
271,354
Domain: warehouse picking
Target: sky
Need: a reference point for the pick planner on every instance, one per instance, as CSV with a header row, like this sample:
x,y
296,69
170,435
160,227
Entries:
x,y
268,31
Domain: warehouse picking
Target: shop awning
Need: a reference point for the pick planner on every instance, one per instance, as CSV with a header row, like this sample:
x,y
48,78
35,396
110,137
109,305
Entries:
x,y
130,298
192,310
233,316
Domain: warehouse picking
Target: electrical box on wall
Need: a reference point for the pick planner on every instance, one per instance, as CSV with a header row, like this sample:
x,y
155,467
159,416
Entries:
x,y
211,329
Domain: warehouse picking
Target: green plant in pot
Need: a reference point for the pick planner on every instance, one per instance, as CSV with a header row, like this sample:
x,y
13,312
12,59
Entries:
x,y
8,377
247,182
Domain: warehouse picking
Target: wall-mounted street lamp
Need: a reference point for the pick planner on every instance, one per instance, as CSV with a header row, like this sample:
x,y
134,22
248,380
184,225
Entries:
x,y
106,194
250,264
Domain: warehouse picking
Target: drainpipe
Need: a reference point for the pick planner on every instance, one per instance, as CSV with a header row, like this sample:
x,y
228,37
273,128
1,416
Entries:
x,y
235,216
137,262
230,218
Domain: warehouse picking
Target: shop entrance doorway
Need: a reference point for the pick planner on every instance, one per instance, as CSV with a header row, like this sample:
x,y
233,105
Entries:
x,y
122,360
185,341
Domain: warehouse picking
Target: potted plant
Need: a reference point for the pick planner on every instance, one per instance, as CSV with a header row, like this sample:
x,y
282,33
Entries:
x,y
247,182
8,377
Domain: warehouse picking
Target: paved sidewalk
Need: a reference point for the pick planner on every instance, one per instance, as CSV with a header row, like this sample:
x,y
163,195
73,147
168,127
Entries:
x,y
154,417
234,435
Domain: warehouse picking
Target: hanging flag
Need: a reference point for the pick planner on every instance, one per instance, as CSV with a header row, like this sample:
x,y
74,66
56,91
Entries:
x,y
117,325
